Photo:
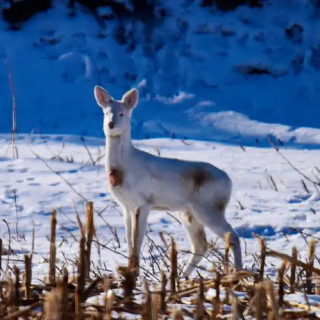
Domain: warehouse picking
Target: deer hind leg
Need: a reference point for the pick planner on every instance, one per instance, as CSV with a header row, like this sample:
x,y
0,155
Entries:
x,y
216,222
235,242
197,238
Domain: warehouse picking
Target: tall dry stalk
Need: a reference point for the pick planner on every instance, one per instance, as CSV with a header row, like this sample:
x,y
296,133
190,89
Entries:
x,y
14,113
129,282
110,297
11,299
16,294
200,311
235,307
317,289
274,313
155,306
90,234
78,297
147,310
263,257
216,301
281,272
80,278
52,258
28,276
53,305
260,302
312,247
174,266
226,263
81,271
163,292
293,270
63,285
178,315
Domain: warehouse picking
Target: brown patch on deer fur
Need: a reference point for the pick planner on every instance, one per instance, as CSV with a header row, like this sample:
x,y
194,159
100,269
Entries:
x,y
189,216
220,204
115,177
116,136
160,208
202,238
150,199
199,177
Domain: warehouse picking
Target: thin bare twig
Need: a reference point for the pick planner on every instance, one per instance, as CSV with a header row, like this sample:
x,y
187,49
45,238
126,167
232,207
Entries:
x,y
71,187
88,151
14,113
292,166
57,173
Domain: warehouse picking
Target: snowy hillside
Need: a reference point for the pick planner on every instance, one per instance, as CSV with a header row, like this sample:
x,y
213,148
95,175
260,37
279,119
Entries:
x,y
203,74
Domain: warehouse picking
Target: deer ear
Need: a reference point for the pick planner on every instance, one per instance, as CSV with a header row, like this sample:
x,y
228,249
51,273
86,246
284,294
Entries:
x,y
131,98
102,96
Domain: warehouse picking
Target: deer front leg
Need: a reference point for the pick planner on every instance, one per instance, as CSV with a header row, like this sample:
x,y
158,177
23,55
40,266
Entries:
x,y
139,225
128,227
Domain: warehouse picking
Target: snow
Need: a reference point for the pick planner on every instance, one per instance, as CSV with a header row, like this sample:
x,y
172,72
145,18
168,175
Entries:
x,y
190,68
279,216
300,298
211,294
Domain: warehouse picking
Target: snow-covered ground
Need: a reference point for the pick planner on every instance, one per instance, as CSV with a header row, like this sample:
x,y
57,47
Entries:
x,y
278,215
194,71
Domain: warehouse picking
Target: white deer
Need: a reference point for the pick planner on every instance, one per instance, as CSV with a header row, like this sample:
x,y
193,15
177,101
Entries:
x,y
198,191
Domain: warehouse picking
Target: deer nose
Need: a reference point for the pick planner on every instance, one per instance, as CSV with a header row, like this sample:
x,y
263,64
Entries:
x,y
111,125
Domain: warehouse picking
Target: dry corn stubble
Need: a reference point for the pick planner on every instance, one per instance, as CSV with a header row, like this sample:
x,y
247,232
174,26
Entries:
x,y
68,301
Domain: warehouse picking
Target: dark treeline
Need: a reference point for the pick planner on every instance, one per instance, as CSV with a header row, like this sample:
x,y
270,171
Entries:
x,y
17,12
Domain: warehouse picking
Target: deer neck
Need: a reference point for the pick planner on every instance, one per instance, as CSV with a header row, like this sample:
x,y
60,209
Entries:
x,y
118,150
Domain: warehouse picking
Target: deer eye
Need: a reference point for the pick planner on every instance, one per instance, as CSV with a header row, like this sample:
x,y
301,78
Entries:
x,y
121,114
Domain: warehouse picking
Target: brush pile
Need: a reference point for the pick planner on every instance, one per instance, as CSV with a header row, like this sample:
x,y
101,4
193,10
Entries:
x,y
224,293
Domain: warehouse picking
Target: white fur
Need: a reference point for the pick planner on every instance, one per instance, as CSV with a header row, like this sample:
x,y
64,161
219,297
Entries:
x,y
196,190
